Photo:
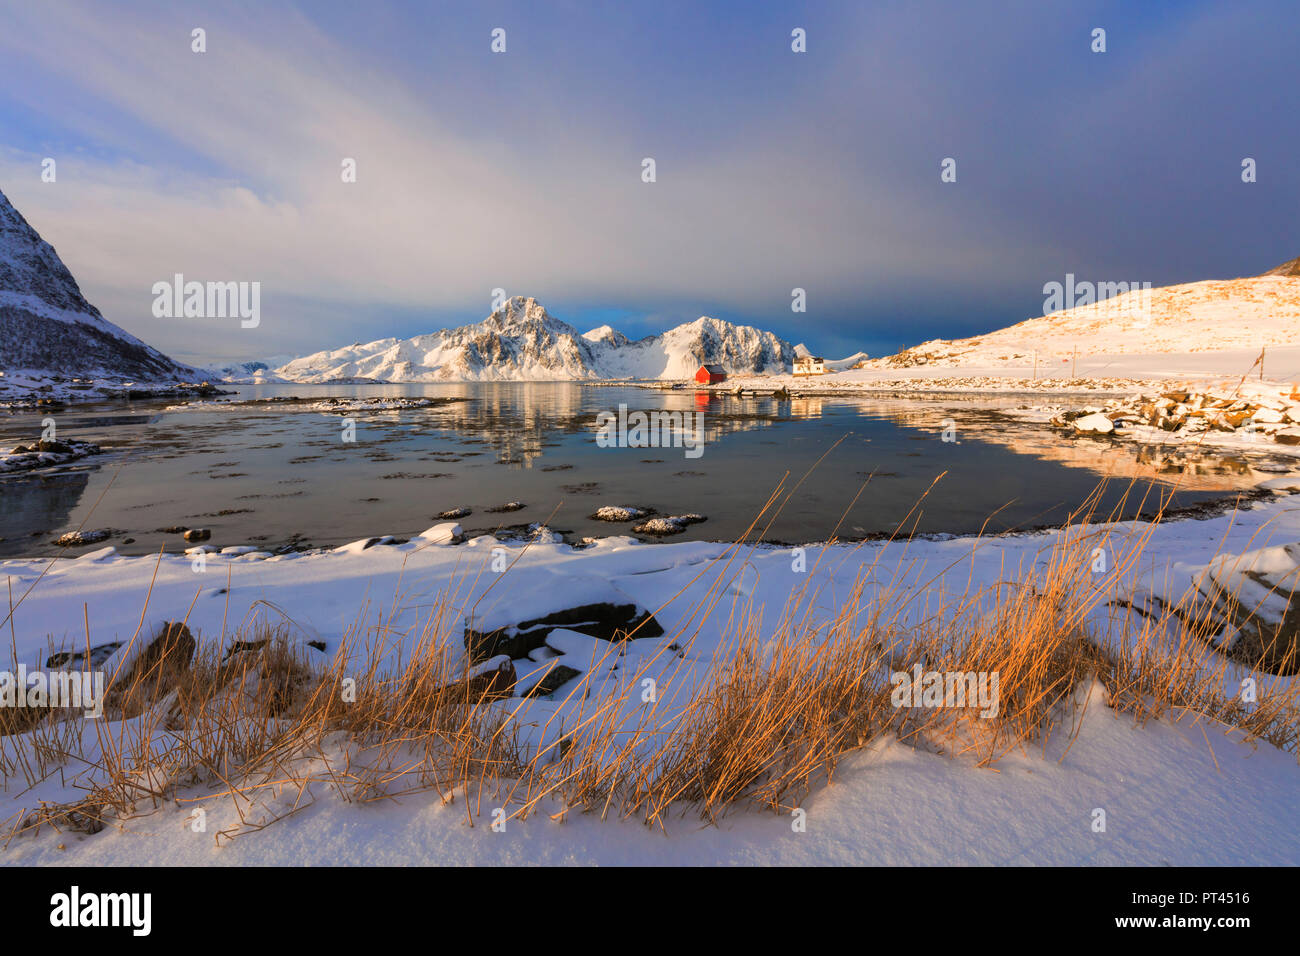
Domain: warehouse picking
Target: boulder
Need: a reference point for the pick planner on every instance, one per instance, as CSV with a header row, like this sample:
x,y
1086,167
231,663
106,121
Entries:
x,y
606,621
151,673
1096,422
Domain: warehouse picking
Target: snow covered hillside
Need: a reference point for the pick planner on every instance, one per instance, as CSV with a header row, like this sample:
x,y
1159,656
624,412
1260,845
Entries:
x,y
1210,316
47,325
522,342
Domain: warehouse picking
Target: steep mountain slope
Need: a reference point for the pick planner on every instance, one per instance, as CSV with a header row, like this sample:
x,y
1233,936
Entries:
x,y
46,324
678,352
1289,268
522,342
1209,316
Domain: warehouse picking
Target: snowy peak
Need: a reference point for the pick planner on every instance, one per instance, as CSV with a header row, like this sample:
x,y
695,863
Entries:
x,y
517,342
605,335
521,341
30,268
46,324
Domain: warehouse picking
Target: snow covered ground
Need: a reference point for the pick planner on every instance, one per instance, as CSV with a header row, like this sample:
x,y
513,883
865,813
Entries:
x,y
1178,790
22,389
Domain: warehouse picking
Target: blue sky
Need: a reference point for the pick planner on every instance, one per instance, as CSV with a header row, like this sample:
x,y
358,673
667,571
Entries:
x,y
521,170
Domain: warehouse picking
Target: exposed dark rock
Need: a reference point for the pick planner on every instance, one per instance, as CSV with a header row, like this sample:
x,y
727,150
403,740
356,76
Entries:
x,y
553,680
157,668
78,660
606,621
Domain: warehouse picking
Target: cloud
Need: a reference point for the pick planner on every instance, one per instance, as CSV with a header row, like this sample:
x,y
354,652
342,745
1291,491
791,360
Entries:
x,y
522,171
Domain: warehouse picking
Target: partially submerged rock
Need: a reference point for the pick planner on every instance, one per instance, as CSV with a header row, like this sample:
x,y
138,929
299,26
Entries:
x,y
667,524
44,453
619,513
1095,422
78,539
1264,413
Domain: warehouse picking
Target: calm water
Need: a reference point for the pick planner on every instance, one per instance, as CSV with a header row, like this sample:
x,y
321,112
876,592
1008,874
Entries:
x,y
274,476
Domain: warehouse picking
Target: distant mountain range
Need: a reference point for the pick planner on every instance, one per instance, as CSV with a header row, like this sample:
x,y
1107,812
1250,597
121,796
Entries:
x,y
46,324
522,342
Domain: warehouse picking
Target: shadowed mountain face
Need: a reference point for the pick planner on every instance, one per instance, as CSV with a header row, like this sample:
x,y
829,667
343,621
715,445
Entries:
x,y
47,325
1291,268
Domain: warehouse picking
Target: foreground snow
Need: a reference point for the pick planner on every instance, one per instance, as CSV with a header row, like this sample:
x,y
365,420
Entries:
x,y
1176,790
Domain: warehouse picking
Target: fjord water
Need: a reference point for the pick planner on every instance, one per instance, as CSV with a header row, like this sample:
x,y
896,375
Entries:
x,y
273,476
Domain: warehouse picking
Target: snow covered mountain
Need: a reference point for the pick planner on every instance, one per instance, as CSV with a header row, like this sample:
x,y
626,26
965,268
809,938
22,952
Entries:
x,y
245,373
522,342
835,365
46,324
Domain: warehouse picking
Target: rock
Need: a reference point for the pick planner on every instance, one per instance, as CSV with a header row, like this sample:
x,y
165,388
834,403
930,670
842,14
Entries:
x,y
1096,422
660,527
490,680
607,621
669,524
79,660
1253,599
507,507
198,534
619,513
556,676
77,539
455,513
154,671
448,533
1288,436
243,647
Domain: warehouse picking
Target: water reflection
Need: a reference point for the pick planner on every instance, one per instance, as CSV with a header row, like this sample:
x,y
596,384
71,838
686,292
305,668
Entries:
x,y
266,473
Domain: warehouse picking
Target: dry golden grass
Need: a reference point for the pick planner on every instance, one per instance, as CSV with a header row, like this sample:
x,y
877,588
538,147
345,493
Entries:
x,y
769,719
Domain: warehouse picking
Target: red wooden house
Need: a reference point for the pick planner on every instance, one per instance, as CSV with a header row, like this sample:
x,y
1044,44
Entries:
x,y
711,375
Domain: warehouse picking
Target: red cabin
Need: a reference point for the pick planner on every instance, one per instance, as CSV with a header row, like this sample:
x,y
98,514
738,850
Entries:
x,y
711,375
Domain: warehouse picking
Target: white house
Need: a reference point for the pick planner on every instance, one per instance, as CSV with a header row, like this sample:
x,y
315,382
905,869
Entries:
x,y
810,365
